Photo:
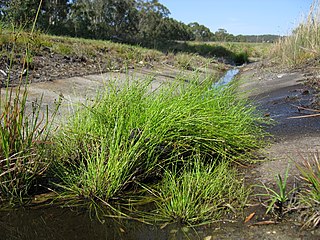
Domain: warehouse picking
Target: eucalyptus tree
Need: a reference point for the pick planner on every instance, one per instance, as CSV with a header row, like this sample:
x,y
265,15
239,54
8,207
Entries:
x,y
19,12
104,19
152,24
54,15
200,32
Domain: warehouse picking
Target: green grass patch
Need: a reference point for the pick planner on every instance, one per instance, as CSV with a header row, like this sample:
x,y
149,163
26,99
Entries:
x,y
198,193
132,136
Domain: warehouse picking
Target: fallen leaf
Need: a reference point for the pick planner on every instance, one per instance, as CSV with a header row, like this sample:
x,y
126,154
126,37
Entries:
x,y
249,217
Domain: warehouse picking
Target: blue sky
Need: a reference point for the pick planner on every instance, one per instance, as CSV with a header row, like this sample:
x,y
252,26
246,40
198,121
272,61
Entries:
x,y
241,16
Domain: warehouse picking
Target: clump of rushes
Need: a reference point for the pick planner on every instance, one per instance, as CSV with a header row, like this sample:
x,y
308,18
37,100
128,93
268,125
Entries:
x,y
304,42
132,134
310,196
17,134
24,132
198,193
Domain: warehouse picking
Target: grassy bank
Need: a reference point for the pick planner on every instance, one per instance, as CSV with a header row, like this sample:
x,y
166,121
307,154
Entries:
x,y
229,52
53,57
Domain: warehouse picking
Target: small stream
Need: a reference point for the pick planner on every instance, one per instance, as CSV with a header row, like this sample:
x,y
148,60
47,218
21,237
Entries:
x,y
227,77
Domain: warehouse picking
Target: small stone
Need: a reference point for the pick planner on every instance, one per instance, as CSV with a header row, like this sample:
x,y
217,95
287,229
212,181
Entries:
x,y
280,76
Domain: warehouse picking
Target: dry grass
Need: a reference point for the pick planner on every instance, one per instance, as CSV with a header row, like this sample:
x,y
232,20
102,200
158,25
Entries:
x,y
304,42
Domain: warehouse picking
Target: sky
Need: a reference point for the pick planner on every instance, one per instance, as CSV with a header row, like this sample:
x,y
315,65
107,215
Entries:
x,y
247,17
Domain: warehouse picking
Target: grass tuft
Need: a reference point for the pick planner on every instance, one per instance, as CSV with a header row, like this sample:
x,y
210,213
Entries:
x,y
310,196
197,193
132,135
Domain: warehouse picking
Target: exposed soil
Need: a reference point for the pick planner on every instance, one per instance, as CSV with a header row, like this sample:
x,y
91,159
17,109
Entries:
x,y
49,66
280,96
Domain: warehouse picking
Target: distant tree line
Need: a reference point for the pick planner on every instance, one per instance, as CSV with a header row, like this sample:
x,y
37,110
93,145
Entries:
x,y
145,22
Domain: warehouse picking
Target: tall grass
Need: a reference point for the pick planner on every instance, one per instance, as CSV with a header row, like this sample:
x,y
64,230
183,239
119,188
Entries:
x,y
131,135
23,135
310,196
304,42
24,132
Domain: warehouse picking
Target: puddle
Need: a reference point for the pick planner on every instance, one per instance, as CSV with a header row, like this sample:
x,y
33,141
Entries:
x,y
227,78
62,223
53,223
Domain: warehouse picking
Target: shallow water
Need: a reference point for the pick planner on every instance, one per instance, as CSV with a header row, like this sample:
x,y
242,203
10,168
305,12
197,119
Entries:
x,y
53,223
228,77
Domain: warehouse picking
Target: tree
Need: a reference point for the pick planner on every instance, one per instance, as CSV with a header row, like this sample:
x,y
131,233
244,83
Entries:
x,y
200,32
54,15
221,35
19,12
152,21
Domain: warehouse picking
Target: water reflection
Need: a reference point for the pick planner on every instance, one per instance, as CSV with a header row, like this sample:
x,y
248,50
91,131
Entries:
x,y
227,78
62,223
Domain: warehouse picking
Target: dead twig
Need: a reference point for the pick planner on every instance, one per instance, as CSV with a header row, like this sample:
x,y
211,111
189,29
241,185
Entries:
x,y
306,109
263,223
317,112
305,116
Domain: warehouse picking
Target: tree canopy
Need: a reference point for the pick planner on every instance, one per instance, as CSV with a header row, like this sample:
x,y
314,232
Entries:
x,y
144,22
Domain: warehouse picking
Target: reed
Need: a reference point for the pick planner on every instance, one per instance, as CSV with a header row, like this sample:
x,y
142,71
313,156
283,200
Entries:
x,y
310,195
304,42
